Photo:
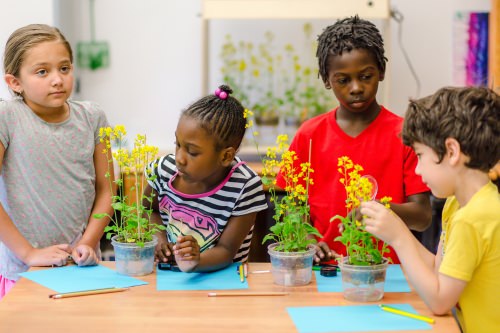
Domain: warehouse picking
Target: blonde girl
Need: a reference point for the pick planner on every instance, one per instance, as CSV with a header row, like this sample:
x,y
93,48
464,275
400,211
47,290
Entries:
x,y
51,159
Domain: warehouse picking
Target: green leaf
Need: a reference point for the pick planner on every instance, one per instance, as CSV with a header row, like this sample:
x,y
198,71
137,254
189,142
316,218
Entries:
x,y
118,206
267,237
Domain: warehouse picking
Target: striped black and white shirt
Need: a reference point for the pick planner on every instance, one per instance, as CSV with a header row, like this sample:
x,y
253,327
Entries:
x,y
205,215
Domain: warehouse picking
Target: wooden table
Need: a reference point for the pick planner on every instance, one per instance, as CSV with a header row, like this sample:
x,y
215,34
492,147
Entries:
x,y
27,308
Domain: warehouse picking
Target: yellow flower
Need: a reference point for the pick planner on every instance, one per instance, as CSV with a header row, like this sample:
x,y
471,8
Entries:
x,y
386,201
362,248
129,162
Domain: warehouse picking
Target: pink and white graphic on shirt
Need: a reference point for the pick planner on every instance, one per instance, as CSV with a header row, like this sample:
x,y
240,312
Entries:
x,y
186,221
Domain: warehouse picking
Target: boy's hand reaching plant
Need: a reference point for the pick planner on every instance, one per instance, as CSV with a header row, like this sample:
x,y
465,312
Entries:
x,y
382,222
323,252
187,253
358,217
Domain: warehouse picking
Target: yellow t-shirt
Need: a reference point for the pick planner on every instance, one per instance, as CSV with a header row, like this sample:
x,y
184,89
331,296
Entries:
x,y
471,252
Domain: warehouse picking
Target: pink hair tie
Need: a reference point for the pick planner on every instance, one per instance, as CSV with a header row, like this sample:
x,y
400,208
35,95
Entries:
x,y
220,93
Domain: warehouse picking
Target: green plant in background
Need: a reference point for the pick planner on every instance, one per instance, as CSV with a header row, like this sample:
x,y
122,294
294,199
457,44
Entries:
x,y
291,212
131,222
250,71
234,67
263,66
275,82
362,247
306,93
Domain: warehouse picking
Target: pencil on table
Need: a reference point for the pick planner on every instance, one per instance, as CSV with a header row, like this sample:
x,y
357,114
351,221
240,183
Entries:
x,y
407,314
242,276
260,272
87,292
249,293
245,269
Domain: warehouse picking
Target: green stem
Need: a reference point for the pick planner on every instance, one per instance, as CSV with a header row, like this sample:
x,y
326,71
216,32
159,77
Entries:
x,y
137,203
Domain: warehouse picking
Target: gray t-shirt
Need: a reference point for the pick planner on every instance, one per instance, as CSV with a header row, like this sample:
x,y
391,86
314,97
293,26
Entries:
x,y
49,175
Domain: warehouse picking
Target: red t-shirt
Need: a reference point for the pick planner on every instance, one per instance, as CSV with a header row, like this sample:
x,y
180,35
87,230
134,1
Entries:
x,y
378,149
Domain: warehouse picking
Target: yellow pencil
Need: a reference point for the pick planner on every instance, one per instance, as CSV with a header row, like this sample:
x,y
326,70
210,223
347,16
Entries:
x,y
407,314
242,275
248,293
87,292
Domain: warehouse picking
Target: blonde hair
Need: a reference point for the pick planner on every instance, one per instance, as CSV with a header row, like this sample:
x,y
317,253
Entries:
x,y
24,39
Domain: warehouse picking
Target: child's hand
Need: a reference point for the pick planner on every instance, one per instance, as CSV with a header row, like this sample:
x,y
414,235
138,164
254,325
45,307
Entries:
x,y
358,216
323,252
84,255
187,253
164,250
382,222
55,255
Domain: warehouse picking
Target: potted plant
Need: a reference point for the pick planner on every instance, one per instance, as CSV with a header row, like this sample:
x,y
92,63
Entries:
x,y
131,230
364,268
293,250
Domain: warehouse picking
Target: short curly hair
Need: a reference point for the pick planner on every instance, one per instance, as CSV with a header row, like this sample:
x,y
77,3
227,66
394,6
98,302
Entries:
x,y
470,115
346,35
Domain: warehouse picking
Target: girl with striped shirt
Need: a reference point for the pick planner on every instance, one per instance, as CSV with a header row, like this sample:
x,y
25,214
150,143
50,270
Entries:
x,y
204,194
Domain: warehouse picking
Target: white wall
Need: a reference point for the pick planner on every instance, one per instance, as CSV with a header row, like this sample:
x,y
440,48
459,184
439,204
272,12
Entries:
x,y
427,37
156,53
15,14
154,72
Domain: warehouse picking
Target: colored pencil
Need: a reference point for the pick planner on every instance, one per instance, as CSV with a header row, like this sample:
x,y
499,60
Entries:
x,y
249,293
260,272
87,292
242,276
245,269
407,314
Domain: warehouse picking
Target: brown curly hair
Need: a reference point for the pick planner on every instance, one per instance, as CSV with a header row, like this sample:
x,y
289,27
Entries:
x,y
470,115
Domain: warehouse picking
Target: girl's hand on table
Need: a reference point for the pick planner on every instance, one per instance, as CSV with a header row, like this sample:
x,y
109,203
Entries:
x,y
164,250
55,255
84,255
187,253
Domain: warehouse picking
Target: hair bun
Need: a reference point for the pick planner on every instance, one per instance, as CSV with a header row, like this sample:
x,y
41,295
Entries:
x,y
223,91
226,89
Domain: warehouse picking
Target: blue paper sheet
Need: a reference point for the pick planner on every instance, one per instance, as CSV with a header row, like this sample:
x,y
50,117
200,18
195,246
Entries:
x,y
317,319
395,281
227,278
74,278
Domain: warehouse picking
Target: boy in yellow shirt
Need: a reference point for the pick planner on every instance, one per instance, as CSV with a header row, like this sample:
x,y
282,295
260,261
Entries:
x,y
456,136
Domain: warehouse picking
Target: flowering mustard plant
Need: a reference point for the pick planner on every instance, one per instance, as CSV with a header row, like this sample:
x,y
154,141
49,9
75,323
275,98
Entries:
x,y
275,79
362,247
131,221
291,211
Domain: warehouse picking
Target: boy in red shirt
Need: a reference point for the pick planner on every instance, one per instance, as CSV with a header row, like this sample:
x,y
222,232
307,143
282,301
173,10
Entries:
x,y
352,63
